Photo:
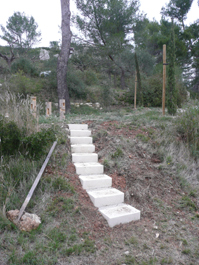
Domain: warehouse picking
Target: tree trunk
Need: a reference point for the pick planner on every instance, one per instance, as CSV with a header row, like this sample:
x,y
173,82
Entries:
x,y
10,59
122,80
62,88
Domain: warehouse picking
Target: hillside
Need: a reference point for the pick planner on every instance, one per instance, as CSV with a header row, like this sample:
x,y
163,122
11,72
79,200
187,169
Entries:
x,y
149,162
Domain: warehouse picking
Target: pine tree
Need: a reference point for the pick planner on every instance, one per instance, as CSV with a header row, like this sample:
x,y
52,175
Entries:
x,y
140,93
172,92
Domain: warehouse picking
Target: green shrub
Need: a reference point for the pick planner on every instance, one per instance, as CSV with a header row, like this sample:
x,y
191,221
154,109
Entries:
x,y
106,98
10,136
90,78
75,85
153,95
12,140
188,128
118,153
20,83
152,92
34,146
26,66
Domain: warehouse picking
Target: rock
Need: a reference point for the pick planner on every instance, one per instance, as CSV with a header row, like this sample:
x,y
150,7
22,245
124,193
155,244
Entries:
x,y
44,55
157,235
45,73
97,105
12,215
126,253
28,221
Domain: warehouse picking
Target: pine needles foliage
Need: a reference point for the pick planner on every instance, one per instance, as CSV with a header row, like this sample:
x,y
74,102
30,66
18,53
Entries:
x,y
172,91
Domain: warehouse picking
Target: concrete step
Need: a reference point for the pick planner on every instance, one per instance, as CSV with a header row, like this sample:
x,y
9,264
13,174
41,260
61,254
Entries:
x,y
78,126
80,133
98,185
82,148
84,157
120,214
95,181
81,140
104,197
89,168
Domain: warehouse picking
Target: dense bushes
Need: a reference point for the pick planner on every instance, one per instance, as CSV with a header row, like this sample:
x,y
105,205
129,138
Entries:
x,y
10,137
188,129
20,83
75,85
152,92
26,66
34,146
13,140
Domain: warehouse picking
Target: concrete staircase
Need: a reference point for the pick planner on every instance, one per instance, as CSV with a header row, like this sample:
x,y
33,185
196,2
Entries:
x,y
110,201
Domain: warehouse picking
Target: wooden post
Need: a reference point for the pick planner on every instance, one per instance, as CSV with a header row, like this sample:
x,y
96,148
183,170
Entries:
x,y
62,108
135,92
48,109
33,106
164,79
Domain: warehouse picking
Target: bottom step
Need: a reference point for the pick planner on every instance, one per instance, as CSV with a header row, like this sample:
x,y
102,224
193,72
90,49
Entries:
x,y
119,214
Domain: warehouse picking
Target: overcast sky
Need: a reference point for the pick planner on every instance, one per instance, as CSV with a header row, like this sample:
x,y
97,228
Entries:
x,y
47,14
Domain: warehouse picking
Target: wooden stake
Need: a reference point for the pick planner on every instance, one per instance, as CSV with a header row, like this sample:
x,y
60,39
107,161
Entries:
x,y
36,182
62,108
33,106
164,79
48,109
135,92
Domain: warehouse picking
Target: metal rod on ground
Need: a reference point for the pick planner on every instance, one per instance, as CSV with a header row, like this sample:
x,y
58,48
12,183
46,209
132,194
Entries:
x,y
36,181
164,79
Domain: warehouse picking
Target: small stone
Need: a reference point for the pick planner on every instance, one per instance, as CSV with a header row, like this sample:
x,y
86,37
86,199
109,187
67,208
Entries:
x,y
157,235
126,253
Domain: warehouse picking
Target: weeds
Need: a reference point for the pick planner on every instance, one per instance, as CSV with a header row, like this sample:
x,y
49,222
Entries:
x,y
142,137
85,110
132,241
187,202
118,153
186,251
61,183
188,129
60,204
106,164
17,109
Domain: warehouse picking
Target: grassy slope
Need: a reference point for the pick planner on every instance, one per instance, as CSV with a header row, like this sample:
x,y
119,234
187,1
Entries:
x,y
73,232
